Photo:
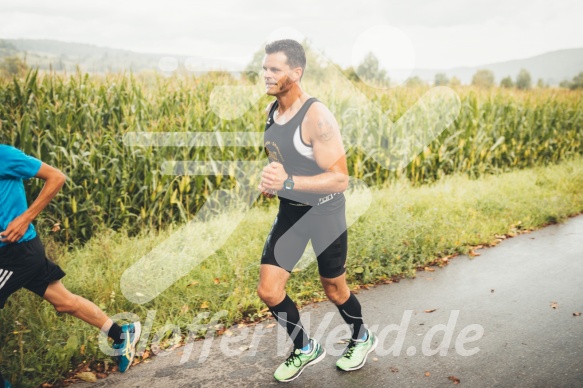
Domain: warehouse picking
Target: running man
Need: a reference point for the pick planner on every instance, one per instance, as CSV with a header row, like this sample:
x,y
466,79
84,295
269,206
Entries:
x,y
22,256
308,172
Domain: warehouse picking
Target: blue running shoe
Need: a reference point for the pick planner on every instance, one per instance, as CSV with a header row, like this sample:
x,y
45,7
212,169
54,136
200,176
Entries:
x,y
126,351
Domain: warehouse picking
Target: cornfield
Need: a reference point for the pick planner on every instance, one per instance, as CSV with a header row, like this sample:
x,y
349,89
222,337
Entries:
x,y
77,124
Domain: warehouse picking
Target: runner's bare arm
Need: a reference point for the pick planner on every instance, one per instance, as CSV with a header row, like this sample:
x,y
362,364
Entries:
x,y
54,180
321,130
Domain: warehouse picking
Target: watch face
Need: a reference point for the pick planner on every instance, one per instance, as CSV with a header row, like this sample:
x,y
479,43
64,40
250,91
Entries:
x,y
288,184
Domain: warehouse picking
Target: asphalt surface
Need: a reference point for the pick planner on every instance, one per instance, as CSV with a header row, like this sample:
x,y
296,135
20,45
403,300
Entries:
x,y
514,305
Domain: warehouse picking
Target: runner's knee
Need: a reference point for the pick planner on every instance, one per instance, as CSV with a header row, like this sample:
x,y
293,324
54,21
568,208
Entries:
x,y
270,295
335,294
336,297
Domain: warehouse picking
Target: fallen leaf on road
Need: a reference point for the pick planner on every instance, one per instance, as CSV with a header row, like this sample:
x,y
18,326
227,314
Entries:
x,y
492,290
270,325
101,375
427,374
87,376
576,314
554,305
394,370
429,269
454,379
146,355
474,254
430,311
375,359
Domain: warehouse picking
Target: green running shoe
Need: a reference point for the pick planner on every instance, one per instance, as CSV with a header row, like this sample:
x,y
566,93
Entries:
x,y
356,352
298,361
126,351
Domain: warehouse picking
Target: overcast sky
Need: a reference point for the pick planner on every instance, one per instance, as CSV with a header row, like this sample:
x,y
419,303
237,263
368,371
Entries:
x,y
420,33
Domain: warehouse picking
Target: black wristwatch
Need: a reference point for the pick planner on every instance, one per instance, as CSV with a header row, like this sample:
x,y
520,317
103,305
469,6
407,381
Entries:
x,y
288,184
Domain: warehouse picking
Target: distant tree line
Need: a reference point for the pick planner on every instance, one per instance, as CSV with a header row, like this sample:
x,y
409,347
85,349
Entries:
x,y
485,79
13,66
369,71
575,83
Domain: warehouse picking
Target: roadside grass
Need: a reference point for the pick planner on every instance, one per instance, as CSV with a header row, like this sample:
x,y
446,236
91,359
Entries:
x,y
404,229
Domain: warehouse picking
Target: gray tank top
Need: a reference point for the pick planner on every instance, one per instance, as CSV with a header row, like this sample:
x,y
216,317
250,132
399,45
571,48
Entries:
x,y
279,146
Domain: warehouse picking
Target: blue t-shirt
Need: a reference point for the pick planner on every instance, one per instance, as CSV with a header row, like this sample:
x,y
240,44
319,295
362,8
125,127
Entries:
x,y
14,167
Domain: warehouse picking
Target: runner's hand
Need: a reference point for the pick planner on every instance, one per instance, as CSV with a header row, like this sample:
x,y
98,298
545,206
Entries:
x,y
266,192
273,176
15,230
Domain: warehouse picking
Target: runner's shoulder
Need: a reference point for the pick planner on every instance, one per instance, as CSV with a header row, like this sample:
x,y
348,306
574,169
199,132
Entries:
x,y
318,115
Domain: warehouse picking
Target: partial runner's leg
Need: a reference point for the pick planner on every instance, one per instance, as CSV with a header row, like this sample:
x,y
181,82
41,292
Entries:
x,y
307,351
363,342
338,292
271,290
65,301
124,338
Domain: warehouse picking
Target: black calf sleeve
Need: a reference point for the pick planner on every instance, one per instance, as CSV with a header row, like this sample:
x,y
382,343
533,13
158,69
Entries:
x,y
351,312
288,316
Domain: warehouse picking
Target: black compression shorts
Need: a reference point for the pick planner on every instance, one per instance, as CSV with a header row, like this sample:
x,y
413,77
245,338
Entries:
x,y
293,228
24,265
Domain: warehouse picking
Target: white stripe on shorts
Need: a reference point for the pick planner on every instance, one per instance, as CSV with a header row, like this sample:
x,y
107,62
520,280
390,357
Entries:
x,y
4,276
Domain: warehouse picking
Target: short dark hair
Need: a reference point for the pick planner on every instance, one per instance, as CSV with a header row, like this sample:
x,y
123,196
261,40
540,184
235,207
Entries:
x,y
296,56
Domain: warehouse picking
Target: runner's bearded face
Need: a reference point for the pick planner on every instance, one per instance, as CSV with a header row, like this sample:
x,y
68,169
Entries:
x,y
277,74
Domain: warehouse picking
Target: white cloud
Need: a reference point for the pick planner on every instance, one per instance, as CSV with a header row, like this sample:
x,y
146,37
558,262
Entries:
x,y
445,33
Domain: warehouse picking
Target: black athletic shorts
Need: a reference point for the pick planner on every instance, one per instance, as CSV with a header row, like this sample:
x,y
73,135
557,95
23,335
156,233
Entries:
x,y
293,228
25,265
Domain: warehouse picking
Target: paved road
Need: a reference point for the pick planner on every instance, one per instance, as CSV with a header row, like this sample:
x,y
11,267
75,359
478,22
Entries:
x,y
500,303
